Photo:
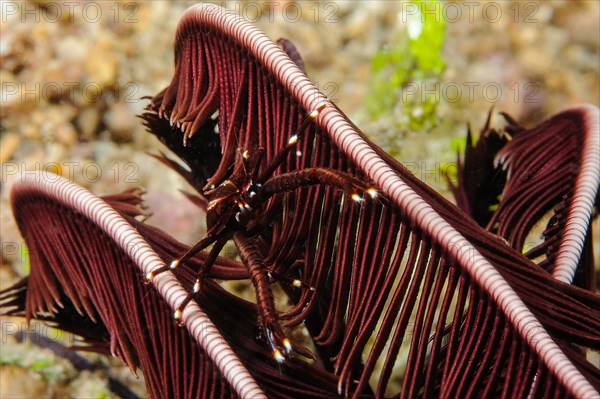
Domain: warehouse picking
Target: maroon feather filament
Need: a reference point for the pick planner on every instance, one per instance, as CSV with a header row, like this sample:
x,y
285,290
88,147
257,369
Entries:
x,y
559,157
144,257
422,214
462,251
292,52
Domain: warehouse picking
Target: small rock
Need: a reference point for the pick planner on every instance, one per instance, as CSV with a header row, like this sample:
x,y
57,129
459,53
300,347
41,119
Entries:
x,y
65,133
87,121
30,132
102,65
16,382
73,49
90,384
8,145
120,121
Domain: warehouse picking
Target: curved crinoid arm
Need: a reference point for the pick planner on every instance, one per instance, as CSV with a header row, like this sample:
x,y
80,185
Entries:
x,y
513,178
553,165
86,276
84,279
411,275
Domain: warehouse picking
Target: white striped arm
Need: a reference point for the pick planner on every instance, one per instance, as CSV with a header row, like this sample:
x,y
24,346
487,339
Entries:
x,y
420,212
143,256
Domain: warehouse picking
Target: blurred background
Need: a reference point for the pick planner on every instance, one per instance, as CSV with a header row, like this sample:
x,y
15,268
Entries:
x,y
411,74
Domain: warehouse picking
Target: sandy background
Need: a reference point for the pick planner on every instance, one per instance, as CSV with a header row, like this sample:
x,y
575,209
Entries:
x,y
72,74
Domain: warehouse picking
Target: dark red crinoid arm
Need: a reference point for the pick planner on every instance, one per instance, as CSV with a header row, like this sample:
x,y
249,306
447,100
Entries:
x,y
553,165
517,176
87,259
354,256
413,281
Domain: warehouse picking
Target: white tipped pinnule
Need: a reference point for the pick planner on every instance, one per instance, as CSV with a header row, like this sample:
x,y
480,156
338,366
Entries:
x,y
177,315
372,192
293,139
315,112
357,198
287,345
278,356
174,264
